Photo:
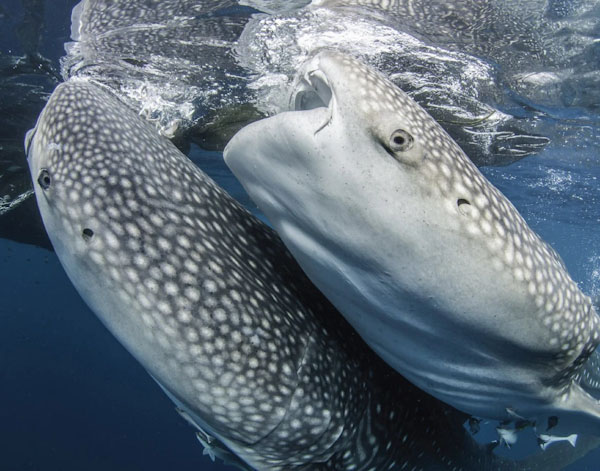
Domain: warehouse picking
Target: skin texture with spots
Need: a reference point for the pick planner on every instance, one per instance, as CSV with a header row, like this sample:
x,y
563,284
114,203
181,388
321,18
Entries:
x,y
484,27
546,50
210,302
166,58
517,35
431,264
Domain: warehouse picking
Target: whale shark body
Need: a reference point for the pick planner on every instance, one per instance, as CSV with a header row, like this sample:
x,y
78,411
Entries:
x,y
430,263
166,59
210,302
483,27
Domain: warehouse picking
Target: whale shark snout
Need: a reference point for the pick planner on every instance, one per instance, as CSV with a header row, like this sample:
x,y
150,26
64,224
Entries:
x,y
431,264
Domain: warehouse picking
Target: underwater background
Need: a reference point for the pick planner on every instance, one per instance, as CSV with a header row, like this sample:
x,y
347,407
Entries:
x,y
71,397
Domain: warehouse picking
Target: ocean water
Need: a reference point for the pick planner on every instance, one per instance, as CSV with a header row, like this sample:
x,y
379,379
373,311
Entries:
x,y
72,398
558,193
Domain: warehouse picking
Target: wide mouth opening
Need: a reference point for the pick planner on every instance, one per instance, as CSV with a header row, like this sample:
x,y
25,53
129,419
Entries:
x,y
312,91
28,139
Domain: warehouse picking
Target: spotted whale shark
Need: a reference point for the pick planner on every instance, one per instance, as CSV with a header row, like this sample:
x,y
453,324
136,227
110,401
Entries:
x,y
431,264
207,298
483,27
545,49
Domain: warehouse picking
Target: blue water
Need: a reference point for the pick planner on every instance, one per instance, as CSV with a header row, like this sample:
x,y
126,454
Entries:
x,y
558,193
71,398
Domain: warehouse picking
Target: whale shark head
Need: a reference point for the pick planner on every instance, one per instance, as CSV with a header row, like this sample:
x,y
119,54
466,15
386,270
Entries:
x,y
433,266
356,145
168,262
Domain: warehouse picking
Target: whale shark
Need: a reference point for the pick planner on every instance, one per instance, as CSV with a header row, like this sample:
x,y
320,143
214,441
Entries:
x,y
483,27
513,33
433,266
208,299
167,59
464,93
545,50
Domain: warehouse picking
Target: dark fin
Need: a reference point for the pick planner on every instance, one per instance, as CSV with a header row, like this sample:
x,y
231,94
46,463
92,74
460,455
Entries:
x,y
523,424
552,422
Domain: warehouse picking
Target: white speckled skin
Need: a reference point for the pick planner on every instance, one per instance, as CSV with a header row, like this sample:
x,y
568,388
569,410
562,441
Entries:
x,y
430,263
211,303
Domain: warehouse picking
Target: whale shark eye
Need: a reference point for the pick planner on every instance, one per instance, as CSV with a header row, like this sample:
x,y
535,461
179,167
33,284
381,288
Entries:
x,y
44,179
87,234
401,141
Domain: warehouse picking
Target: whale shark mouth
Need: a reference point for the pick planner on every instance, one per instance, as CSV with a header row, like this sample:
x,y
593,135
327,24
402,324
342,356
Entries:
x,y
28,139
313,90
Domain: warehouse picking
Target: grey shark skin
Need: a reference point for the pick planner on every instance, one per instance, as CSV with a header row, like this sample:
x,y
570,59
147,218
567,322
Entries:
x,y
517,35
430,263
545,49
165,58
482,26
207,298
462,92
